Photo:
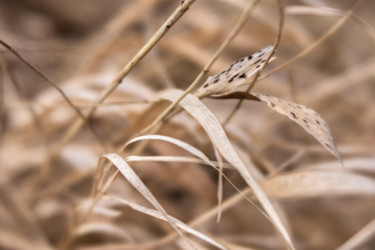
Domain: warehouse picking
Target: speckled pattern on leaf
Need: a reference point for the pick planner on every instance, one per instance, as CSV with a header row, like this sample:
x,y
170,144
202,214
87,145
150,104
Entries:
x,y
306,118
235,75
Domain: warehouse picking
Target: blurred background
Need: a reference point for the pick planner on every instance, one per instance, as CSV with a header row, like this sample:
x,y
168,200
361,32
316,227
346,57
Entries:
x,y
46,180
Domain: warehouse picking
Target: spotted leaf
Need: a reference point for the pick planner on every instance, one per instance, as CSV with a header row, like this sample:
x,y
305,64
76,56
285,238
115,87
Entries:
x,y
236,75
306,118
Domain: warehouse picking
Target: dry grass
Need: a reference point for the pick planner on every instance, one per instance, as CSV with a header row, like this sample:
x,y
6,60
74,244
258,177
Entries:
x,y
94,156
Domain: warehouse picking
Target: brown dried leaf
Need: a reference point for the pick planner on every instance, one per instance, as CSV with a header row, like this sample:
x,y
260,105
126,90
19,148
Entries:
x,y
178,223
312,183
236,75
306,118
218,137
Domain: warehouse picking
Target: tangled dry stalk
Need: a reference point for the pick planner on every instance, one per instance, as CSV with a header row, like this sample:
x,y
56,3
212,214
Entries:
x,y
103,144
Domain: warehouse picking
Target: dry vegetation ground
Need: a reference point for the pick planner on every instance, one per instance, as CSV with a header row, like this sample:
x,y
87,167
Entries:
x,y
73,183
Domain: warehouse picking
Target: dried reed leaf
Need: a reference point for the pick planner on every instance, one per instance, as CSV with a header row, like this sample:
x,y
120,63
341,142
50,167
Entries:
x,y
174,141
124,168
218,137
236,75
306,118
165,158
159,215
187,147
318,183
